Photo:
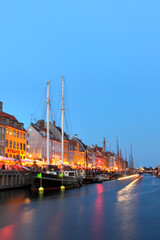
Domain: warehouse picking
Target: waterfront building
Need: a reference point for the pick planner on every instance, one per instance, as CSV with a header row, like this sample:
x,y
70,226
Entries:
x,y
71,153
90,157
37,143
2,138
80,152
125,165
113,162
15,135
100,159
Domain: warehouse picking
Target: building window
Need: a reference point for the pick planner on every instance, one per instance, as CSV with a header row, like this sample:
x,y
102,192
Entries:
x,y
24,147
17,145
6,142
15,123
6,130
10,132
20,146
24,135
18,134
3,130
10,144
14,133
14,144
2,142
7,121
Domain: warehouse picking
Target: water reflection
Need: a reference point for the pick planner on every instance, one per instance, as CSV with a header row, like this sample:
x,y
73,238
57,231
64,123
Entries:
x,y
7,232
127,193
116,210
127,209
98,215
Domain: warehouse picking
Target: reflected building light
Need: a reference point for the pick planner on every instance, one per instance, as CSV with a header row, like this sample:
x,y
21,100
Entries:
x,y
132,176
7,232
126,193
99,188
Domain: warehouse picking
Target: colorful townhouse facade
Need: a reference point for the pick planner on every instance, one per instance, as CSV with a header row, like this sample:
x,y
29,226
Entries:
x,y
15,136
2,138
76,153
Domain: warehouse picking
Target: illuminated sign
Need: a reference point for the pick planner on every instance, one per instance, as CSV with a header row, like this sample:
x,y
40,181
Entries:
x,y
18,152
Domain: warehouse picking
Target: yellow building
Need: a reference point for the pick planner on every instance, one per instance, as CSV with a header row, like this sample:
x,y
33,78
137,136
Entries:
x,y
15,137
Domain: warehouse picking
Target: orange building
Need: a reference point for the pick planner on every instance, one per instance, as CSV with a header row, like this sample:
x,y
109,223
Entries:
x,y
15,137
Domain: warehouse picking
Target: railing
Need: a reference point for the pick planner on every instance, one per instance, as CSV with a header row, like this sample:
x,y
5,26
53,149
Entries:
x,y
13,179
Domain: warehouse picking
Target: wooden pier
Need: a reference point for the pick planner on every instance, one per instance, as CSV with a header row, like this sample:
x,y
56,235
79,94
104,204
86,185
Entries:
x,y
13,179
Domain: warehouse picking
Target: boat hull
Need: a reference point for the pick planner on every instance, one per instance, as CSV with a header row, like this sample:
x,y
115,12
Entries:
x,y
50,181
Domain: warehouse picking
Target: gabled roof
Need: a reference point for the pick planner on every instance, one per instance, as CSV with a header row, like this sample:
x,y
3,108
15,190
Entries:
x,y
82,145
65,135
42,129
12,118
6,115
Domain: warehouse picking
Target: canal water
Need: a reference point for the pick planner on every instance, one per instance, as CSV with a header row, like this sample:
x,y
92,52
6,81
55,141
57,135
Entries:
x,y
117,210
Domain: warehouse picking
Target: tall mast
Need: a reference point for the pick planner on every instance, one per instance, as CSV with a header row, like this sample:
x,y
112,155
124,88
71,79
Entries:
x,y
62,141
104,146
48,102
118,154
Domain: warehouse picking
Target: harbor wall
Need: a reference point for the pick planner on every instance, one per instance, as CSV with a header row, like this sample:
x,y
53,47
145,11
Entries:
x,y
13,179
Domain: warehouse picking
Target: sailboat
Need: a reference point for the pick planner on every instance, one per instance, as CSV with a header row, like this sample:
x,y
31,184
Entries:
x,y
50,179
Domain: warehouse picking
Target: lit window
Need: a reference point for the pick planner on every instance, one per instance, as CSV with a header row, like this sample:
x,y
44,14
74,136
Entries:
x,y
6,130
10,133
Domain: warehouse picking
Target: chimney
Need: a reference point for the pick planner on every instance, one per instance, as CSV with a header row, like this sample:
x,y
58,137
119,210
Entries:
x,y
54,123
1,106
76,135
40,123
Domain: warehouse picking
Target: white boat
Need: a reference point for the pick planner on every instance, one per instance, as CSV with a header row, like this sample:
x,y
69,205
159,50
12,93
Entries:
x,y
104,177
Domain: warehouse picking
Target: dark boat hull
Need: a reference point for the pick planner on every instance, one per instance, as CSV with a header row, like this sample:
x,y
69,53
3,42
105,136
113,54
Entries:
x,y
50,181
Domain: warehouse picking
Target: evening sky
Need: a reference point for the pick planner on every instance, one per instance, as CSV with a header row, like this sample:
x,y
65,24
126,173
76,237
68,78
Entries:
x,y
109,54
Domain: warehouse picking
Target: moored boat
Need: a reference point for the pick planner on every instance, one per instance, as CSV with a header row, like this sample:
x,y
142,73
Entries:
x,y
50,179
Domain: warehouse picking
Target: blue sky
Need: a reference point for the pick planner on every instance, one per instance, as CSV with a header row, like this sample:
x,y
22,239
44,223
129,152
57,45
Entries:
x,y
109,54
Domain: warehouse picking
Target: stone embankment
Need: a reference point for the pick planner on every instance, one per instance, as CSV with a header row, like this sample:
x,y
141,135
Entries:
x,y
13,179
